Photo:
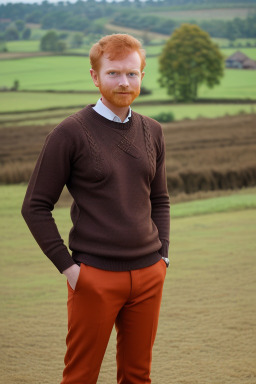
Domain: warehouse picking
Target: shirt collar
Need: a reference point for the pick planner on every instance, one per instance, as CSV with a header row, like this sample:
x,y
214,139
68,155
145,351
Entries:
x,y
104,111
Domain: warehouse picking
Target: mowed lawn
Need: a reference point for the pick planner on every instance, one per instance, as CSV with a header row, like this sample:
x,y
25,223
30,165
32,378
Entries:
x,y
207,326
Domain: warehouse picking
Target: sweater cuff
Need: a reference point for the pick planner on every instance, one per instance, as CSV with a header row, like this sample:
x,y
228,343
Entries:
x,y
62,260
165,248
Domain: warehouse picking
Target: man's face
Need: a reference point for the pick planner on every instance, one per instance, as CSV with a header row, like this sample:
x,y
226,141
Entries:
x,y
119,81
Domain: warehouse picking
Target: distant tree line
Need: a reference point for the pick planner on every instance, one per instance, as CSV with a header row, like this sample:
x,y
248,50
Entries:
x,y
91,15
16,30
233,29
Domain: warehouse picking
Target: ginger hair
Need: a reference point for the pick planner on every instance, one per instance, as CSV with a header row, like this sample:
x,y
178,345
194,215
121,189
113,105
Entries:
x,y
116,46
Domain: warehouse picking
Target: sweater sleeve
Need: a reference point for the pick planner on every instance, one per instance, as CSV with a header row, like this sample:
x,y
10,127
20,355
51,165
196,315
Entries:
x,y
159,196
51,173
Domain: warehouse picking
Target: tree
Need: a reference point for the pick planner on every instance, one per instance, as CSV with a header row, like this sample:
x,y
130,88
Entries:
x,y
189,58
11,33
77,40
20,25
49,42
26,34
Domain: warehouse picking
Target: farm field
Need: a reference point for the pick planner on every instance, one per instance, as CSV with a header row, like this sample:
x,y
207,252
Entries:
x,y
250,52
50,108
207,330
201,155
72,73
23,46
33,46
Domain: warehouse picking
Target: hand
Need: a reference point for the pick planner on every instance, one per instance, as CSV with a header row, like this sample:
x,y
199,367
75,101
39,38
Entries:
x,y
72,274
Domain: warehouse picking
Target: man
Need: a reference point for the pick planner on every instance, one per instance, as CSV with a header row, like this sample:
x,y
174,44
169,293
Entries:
x,y
112,161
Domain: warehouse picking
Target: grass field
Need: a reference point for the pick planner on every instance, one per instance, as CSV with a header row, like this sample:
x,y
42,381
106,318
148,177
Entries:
x,y
250,52
207,324
72,73
23,46
17,102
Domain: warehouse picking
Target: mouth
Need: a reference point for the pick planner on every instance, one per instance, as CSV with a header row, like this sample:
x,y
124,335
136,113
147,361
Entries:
x,y
124,93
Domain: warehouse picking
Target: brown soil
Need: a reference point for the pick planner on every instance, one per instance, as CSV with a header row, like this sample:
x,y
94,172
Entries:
x,y
211,154
202,155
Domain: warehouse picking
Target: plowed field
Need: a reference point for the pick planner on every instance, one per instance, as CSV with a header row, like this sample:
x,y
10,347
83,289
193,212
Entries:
x,y
202,155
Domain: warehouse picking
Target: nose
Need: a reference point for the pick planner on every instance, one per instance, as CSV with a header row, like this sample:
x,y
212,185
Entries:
x,y
123,81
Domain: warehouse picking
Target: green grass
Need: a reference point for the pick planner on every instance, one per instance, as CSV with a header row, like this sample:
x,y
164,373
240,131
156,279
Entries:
x,y
23,46
206,331
13,102
29,101
236,202
235,83
72,73
55,72
250,52
194,111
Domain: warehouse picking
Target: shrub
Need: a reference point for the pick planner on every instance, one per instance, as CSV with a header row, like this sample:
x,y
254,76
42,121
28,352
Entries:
x,y
164,117
145,91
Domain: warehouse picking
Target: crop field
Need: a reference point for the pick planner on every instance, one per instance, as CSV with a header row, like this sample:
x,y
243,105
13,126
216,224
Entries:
x,y
206,331
202,155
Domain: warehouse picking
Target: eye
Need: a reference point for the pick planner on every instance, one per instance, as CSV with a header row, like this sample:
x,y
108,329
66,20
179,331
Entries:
x,y
132,74
112,73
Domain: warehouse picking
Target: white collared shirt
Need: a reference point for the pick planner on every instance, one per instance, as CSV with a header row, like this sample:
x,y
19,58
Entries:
x,y
104,111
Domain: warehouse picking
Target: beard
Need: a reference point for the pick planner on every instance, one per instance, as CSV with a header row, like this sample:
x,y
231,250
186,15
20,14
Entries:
x,y
119,97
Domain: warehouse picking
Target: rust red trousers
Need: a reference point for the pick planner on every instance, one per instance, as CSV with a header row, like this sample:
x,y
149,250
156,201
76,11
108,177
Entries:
x,y
130,301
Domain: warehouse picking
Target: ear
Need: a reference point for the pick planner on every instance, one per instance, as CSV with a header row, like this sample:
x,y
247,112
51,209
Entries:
x,y
142,75
95,77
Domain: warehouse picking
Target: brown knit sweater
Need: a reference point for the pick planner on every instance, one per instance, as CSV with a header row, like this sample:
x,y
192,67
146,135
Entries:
x,y
116,175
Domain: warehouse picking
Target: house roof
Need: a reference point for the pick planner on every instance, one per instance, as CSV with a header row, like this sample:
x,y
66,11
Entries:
x,y
238,56
249,64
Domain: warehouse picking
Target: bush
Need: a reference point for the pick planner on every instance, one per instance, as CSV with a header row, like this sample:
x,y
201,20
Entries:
x,y
145,91
164,117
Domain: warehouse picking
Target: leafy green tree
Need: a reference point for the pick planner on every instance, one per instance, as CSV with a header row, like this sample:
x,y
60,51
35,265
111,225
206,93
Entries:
x,y
20,25
189,58
11,33
77,40
16,85
61,46
49,42
26,34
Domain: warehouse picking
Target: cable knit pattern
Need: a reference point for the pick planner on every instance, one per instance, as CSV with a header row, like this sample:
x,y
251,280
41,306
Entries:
x,y
149,146
95,152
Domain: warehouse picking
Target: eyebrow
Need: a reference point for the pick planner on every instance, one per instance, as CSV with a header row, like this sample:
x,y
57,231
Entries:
x,y
119,70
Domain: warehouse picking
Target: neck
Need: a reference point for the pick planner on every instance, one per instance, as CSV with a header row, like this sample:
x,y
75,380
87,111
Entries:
x,y
121,112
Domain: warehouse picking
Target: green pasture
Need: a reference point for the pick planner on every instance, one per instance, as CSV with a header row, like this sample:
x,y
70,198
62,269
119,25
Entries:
x,y
206,330
33,45
56,72
72,73
235,84
194,111
250,52
29,101
23,46
68,103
